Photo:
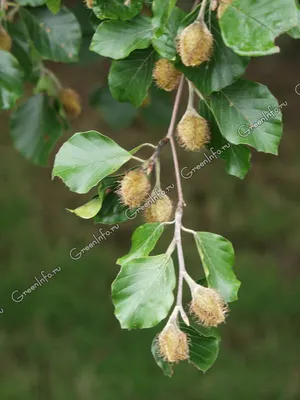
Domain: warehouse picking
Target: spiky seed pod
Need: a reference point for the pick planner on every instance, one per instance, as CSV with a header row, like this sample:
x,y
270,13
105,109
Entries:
x,y
193,131
224,4
166,75
173,344
195,44
71,102
208,306
5,40
160,211
134,188
89,3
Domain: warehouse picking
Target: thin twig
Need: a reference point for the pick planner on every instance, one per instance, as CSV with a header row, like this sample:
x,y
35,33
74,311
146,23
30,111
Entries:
x,y
191,95
202,11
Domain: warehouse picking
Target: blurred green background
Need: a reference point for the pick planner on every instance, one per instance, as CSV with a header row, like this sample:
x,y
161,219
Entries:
x,y
62,341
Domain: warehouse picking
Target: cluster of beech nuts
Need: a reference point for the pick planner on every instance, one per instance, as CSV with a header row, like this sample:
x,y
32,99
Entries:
x,y
195,46
208,308
134,191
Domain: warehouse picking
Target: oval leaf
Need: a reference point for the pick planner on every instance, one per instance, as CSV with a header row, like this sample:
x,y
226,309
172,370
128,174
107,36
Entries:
x,y
142,293
88,210
217,257
236,157
250,27
117,9
203,349
130,79
165,44
56,37
117,39
11,80
35,128
86,158
247,113
143,241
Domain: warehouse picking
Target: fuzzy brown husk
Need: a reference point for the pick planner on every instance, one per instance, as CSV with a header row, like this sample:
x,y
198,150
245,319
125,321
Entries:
x,y
195,44
166,75
208,306
193,131
160,211
5,40
134,188
89,3
173,344
71,102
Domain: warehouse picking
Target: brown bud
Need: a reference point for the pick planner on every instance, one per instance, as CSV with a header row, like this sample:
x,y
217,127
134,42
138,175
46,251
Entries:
x,y
161,210
5,40
134,188
89,3
208,306
173,344
224,4
195,44
71,102
193,131
166,75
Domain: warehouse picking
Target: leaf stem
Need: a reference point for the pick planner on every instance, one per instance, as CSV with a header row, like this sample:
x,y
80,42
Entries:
x,y
138,159
188,230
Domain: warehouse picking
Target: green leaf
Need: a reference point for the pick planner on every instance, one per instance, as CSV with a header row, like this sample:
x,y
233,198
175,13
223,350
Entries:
x,y
250,27
113,211
29,59
164,365
165,44
130,79
143,240
53,5
295,32
222,70
46,84
158,111
31,3
162,10
237,157
35,128
142,293
203,349
247,104
217,257
86,158
117,9
56,37
117,39
11,80
116,115
89,209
